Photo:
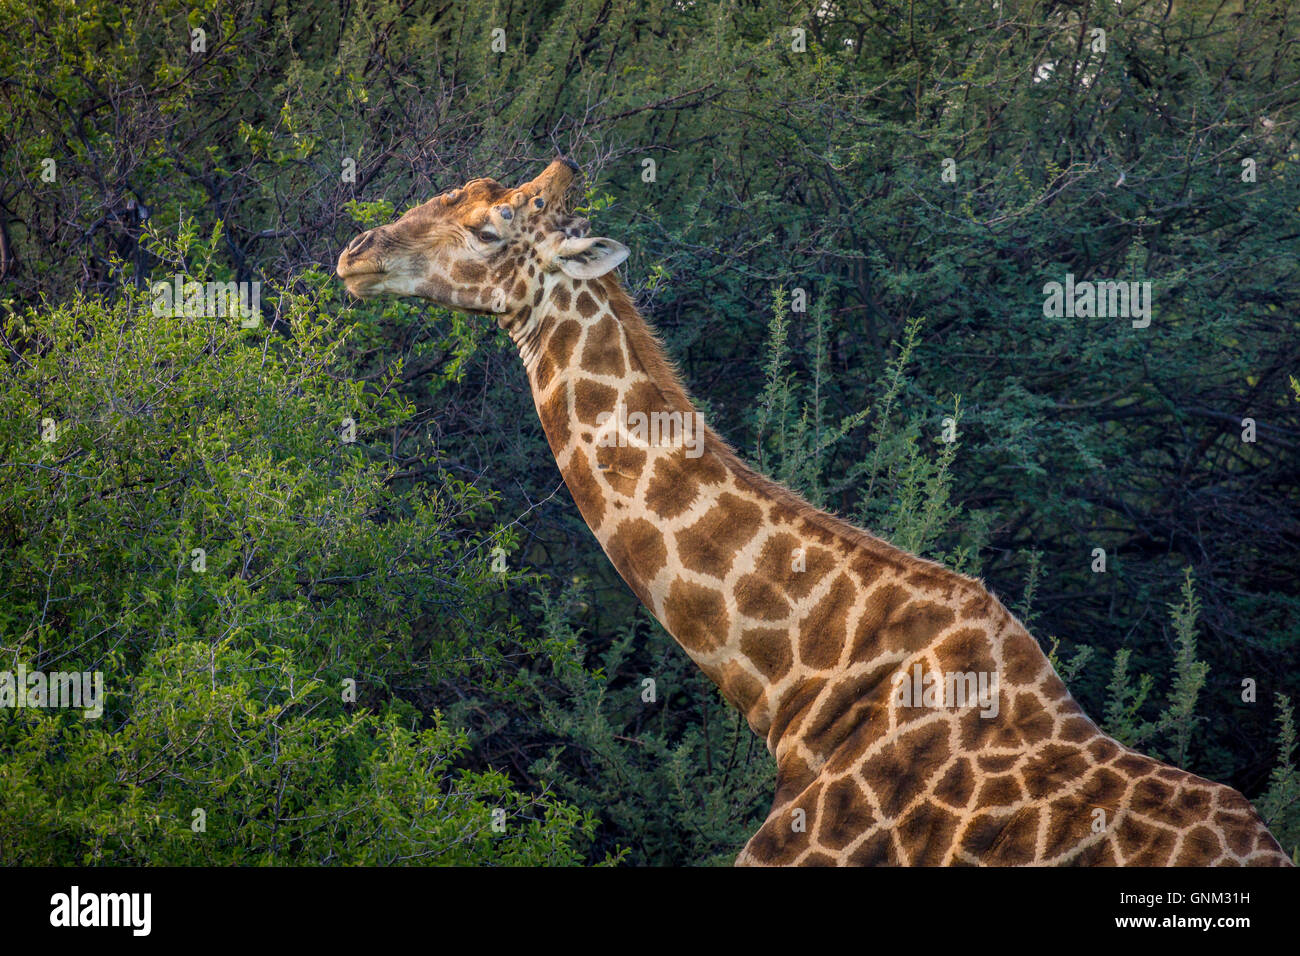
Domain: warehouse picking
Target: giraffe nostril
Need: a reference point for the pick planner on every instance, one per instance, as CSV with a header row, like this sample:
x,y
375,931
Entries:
x,y
360,243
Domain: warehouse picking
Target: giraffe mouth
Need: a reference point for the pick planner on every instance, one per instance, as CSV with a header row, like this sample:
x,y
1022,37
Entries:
x,y
363,284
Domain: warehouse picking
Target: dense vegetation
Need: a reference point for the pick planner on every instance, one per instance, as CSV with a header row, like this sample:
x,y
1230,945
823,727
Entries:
x,y
345,608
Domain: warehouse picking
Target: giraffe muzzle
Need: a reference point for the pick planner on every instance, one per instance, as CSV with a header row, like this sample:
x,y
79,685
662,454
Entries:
x,y
358,271
554,181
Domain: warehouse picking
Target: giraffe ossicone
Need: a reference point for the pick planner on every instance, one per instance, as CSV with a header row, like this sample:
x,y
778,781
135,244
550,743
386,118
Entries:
x,y
913,719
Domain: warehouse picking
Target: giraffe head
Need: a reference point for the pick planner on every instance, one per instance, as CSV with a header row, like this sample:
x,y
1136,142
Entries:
x,y
483,248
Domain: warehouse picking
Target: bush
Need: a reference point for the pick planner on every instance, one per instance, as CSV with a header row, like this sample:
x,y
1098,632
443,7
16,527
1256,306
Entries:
x,y
259,598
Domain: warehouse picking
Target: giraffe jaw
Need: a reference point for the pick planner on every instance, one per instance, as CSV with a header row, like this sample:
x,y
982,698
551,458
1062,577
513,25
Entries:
x,y
376,283
373,283
363,284
362,279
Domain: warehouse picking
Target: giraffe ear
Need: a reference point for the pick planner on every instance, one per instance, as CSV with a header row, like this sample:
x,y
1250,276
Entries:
x,y
587,258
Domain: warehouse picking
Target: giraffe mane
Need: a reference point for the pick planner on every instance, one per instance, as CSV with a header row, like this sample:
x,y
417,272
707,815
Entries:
x,y
647,346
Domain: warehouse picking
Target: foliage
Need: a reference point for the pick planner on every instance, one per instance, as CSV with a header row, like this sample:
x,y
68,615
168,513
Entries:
x,y
199,532
1280,804
775,169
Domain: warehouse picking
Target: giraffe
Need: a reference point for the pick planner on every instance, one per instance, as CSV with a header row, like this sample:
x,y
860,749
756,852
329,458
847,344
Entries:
x,y
913,719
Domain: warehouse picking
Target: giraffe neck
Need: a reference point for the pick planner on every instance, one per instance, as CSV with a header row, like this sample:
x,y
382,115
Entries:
x,y
807,624
759,588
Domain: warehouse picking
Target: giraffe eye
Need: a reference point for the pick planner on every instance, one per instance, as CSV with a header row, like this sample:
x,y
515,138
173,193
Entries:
x,y
487,235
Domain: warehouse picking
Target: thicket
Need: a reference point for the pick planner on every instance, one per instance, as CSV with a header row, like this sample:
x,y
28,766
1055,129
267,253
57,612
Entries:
x,y
779,164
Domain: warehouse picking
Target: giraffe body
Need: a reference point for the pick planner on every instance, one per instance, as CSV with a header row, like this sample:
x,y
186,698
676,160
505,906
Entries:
x,y
912,718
